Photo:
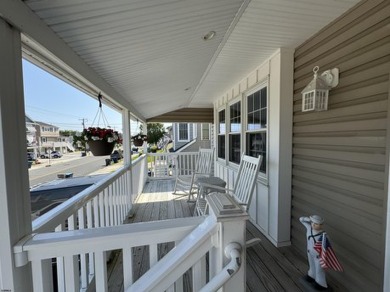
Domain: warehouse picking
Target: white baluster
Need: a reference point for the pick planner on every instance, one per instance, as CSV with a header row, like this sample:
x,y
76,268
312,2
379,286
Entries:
x,y
127,267
72,278
42,275
101,271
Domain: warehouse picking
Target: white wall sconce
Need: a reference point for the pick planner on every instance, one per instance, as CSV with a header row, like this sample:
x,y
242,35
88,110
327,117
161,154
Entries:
x,y
315,95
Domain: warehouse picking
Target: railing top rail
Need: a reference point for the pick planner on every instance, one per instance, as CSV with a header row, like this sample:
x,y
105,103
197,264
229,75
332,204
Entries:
x,y
173,153
54,244
50,220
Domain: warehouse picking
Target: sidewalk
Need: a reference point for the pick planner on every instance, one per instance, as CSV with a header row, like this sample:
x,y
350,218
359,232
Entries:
x,y
109,169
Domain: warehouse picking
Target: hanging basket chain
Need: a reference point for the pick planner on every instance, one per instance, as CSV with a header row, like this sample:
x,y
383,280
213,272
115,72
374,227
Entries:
x,y
100,114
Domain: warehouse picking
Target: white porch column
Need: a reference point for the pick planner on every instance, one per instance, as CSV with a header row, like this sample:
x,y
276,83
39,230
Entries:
x,y
15,209
127,156
232,220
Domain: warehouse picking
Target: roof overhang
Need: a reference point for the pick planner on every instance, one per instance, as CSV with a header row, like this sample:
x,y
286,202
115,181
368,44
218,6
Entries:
x,y
190,115
150,57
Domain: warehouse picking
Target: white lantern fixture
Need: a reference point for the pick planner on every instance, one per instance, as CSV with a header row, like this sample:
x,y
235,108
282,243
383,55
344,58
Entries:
x,y
315,95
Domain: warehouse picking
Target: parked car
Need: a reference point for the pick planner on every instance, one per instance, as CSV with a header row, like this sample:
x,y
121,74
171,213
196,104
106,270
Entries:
x,y
116,155
53,154
47,196
30,156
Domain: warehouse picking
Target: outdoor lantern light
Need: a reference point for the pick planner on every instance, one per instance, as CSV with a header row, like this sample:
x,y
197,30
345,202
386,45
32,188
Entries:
x,y
315,95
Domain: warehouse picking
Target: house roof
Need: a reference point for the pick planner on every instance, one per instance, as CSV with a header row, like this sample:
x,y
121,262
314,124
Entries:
x,y
45,124
150,56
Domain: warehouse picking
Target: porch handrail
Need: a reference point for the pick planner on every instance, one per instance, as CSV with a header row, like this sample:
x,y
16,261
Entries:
x,y
39,249
50,220
186,254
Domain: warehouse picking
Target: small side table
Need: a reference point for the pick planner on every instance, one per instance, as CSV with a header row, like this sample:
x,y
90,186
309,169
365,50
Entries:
x,y
203,190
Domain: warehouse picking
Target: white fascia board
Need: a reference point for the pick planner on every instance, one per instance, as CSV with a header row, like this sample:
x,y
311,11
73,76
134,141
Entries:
x,y
57,51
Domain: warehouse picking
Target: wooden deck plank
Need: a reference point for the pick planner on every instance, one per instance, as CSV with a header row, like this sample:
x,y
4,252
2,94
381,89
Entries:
x,y
274,261
268,268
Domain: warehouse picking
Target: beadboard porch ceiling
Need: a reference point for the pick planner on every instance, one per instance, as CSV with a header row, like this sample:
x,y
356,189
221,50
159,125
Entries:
x,y
152,52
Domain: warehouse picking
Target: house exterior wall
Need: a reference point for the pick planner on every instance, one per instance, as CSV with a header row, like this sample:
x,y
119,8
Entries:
x,y
340,156
176,142
195,138
270,206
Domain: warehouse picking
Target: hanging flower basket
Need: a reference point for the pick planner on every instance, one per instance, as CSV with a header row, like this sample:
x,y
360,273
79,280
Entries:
x,y
138,140
100,147
101,141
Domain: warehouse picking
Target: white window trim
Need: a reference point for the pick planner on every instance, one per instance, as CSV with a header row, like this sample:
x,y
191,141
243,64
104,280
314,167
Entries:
x,y
262,177
178,133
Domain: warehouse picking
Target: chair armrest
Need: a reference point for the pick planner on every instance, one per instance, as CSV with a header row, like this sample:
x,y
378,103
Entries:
x,y
226,190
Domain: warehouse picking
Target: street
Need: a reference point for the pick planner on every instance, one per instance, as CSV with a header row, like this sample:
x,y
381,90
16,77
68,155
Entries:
x,y
47,170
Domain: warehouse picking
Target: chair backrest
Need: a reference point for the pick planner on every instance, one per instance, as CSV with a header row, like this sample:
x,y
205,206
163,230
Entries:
x,y
204,161
246,179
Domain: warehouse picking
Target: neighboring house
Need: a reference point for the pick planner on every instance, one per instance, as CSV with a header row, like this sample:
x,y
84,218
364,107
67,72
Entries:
x,y
48,137
31,133
191,136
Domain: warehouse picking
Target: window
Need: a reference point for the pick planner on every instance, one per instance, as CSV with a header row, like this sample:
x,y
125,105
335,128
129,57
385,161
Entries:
x,y
256,132
221,134
183,130
235,133
205,131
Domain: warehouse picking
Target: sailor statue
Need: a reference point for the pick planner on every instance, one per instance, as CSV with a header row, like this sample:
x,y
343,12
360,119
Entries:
x,y
316,273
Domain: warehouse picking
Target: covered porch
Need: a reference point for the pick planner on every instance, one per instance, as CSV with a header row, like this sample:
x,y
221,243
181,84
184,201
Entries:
x,y
240,65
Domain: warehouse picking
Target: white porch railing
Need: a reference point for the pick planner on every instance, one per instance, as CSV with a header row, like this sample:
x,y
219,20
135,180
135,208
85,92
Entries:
x,y
104,204
195,236
163,165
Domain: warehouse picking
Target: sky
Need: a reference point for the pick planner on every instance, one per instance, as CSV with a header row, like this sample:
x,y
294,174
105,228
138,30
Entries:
x,y
53,101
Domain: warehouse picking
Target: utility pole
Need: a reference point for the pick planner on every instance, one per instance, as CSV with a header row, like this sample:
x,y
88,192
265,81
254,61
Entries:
x,y
83,122
85,144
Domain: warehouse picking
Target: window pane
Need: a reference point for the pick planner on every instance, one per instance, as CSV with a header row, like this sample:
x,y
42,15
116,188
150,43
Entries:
x,y
256,100
251,125
221,146
257,110
257,145
183,131
222,124
263,118
235,117
250,103
234,148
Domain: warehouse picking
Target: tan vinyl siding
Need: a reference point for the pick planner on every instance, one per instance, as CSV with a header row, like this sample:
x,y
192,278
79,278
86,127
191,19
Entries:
x,y
340,156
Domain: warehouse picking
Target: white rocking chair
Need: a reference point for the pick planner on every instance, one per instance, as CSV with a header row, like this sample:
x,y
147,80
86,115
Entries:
x,y
186,183
243,186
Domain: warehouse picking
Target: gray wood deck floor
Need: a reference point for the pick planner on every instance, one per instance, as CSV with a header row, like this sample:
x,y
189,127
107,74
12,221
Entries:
x,y
268,268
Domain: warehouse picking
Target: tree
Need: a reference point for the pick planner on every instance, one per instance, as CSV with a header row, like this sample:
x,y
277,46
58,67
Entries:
x,y
67,133
79,140
155,132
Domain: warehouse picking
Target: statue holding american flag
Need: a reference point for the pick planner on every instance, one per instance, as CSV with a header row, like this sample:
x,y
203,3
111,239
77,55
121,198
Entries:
x,y
319,252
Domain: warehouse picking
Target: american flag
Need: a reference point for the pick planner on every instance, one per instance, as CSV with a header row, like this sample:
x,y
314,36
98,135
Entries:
x,y
328,258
